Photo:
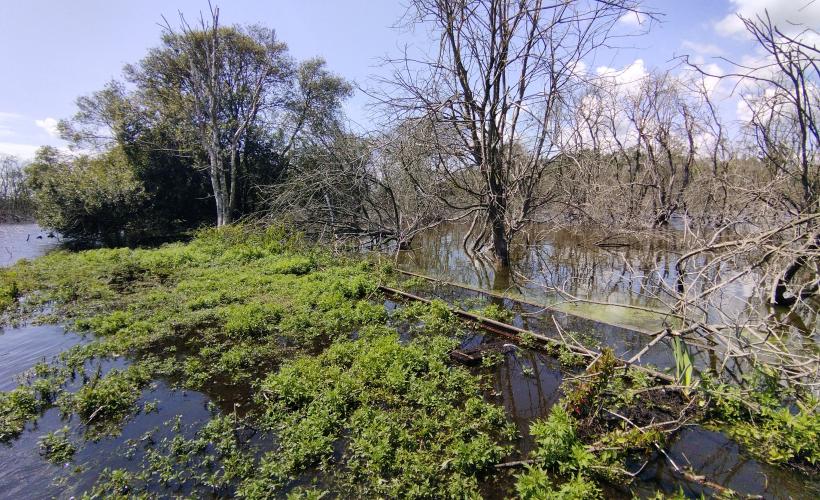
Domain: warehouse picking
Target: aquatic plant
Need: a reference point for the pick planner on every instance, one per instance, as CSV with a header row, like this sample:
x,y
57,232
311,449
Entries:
x,y
295,330
56,446
683,363
417,427
16,408
764,423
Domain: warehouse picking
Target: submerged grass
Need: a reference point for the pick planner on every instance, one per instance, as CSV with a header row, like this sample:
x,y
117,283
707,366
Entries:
x,y
294,344
287,339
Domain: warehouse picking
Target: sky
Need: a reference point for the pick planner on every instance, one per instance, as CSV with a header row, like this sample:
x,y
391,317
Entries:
x,y
53,51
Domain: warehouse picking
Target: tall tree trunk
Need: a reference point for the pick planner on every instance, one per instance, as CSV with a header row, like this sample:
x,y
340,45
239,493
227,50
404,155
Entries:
x,y
495,214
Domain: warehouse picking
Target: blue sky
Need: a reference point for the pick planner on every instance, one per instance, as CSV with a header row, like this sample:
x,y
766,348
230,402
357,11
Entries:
x,y
52,51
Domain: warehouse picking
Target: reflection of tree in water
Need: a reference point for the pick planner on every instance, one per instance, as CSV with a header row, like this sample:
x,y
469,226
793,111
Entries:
x,y
718,457
528,384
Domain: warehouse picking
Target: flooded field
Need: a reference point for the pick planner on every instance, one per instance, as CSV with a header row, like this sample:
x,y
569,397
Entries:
x,y
169,442
584,275
527,384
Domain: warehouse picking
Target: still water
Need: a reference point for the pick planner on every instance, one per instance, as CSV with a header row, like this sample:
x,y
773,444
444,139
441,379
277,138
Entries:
x,y
622,281
24,241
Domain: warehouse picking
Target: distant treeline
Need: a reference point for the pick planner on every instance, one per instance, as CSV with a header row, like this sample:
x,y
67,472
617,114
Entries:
x,y
15,196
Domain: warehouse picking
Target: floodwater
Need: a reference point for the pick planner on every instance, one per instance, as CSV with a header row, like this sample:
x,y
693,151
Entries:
x,y
25,474
23,347
556,267
526,383
24,241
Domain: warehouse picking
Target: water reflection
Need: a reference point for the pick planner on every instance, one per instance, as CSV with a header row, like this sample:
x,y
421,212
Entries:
x,y
559,266
23,347
714,455
24,241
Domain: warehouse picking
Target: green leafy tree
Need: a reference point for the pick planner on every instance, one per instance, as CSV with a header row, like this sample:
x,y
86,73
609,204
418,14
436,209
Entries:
x,y
231,90
91,198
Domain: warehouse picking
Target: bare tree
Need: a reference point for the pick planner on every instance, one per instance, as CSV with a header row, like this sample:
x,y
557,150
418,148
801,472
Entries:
x,y
15,197
784,97
493,95
358,189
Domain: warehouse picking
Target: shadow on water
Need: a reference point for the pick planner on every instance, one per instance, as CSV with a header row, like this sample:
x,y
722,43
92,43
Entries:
x,y
713,454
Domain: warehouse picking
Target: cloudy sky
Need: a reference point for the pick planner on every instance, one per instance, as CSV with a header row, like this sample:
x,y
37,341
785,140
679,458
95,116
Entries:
x,y
52,51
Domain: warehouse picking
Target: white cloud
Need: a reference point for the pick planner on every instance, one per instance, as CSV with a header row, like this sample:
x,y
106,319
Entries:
x,y
630,74
743,112
633,19
49,125
784,13
21,151
710,83
6,130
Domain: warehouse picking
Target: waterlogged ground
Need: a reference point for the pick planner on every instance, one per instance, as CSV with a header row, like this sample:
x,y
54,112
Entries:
x,y
252,364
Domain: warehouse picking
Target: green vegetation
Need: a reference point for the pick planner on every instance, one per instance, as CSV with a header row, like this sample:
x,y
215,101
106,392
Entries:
x,y
16,408
56,447
85,197
418,428
299,340
303,335
496,312
109,398
761,420
577,446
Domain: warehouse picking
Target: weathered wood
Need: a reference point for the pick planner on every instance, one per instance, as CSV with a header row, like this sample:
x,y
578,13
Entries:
x,y
514,332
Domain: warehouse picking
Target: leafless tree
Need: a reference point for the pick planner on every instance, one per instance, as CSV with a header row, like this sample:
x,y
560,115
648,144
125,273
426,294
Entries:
x,y
493,95
632,150
782,93
15,198
359,189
